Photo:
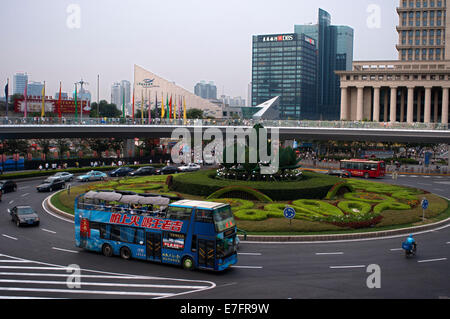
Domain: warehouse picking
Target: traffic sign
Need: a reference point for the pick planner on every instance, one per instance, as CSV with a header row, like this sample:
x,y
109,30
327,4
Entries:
x,y
289,213
425,203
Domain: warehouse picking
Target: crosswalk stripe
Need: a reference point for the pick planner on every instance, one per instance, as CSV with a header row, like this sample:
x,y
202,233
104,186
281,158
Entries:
x,y
92,292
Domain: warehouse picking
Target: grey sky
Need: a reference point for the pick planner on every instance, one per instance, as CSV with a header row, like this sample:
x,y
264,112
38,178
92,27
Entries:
x,y
181,40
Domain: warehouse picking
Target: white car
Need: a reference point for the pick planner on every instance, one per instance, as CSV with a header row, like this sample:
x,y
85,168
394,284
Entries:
x,y
189,168
67,177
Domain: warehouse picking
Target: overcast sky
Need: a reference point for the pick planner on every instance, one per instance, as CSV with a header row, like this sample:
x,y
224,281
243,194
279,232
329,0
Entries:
x,y
185,41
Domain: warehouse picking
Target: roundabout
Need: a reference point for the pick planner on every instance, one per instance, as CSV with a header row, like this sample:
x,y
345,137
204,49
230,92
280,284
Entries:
x,y
334,268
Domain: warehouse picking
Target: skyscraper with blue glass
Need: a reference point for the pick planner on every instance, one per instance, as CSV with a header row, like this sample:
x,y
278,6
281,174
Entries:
x,y
335,53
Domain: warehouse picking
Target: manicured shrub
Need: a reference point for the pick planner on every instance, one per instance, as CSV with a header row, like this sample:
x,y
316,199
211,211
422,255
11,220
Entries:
x,y
339,189
355,207
236,203
371,198
318,207
251,215
251,193
390,206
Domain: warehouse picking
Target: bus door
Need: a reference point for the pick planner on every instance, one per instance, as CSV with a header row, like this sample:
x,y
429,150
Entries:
x,y
206,253
153,246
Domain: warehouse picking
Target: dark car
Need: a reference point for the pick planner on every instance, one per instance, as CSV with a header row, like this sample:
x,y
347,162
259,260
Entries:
x,y
120,172
51,184
24,215
340,173
168,170
144,171
7,186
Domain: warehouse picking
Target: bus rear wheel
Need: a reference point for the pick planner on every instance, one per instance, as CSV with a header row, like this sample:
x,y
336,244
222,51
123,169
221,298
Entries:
x,y
125,253
107,250
188,263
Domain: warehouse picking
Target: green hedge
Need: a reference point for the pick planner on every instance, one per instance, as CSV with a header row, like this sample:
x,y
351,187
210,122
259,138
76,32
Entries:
x,y
355,207
203,183
318,207
241,189
371,198
390,206
31,174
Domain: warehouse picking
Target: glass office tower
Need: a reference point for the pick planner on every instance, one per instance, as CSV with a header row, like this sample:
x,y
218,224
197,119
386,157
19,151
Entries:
x,y
285,65
335,53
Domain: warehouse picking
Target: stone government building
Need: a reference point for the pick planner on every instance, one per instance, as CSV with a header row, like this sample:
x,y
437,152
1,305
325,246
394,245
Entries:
x,y
413,89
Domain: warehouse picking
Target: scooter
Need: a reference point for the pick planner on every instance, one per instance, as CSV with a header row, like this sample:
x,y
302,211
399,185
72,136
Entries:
x,y
410,250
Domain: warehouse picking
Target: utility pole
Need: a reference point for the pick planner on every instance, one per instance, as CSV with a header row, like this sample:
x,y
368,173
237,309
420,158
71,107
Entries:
x,y
81,90
98,96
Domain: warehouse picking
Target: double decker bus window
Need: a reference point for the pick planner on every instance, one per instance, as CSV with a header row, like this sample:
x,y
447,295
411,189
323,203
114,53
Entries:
x,y
127,234
179,213
174,241
140,237
204,216
115,233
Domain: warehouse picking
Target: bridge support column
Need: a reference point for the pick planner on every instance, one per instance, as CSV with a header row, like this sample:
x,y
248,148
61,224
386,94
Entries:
x,y
360,104
344,104
427,105
129,148
410,107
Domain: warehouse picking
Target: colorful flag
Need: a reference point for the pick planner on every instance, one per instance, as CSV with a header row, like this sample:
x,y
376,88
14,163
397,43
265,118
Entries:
x,y
6,96
163,110
59,101
167,104
170,107
142,106
76,103
25,94
133,101
150,109
175,108
184,111
43,101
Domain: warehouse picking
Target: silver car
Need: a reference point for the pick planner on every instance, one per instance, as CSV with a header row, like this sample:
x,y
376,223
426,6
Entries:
x,y
66,177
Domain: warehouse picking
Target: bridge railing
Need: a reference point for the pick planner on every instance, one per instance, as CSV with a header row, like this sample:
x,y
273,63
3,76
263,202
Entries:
x,y
19,121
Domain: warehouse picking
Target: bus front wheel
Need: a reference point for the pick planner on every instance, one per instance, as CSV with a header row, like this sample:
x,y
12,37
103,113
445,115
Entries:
x,y
125,253
107,250
188,263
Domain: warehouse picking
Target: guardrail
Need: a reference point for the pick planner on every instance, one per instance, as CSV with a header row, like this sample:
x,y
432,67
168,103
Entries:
x,y
16,121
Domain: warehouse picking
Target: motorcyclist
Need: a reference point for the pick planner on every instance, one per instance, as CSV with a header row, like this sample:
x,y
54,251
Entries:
x,y
410,244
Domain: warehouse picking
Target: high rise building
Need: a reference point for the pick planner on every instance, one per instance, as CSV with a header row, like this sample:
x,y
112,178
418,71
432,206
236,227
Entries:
x,y
206,90
119,91
335,52
35,89
20,81
285,65
414,88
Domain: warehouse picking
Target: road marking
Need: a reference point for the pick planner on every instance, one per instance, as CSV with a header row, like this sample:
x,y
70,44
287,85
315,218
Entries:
x,y
10,237
102,284
432,260
65,250
95,292
24,187
396,249
248,267
10,202
25,195
347,267
250,254
48,231
14,261
324,254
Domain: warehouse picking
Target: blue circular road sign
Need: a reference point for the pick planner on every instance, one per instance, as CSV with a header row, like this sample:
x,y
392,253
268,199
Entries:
x,y
425,204
289,213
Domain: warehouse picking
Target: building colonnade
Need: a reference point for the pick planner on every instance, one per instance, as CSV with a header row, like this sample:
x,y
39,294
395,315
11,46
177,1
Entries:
x,y
410,104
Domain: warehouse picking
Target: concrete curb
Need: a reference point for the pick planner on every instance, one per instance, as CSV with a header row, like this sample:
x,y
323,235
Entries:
x,y
347,237
54,210
306,238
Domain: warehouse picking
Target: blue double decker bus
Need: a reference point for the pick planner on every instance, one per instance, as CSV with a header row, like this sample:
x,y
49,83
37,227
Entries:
x,y
192,234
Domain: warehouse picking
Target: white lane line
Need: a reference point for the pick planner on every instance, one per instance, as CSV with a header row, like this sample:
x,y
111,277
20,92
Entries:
x,y
25,298
52,214
432,260
65,250
24,187
248,267
14,261
250,254
10,237
25,195
325,254
448,243
36,268
396,249
92,292
347,267
10,202
101,284
48,231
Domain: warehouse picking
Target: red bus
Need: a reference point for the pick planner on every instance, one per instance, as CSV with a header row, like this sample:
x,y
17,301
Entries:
x,y
364,168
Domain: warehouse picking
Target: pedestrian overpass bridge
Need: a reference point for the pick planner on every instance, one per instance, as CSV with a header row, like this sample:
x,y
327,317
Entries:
x,y
49,128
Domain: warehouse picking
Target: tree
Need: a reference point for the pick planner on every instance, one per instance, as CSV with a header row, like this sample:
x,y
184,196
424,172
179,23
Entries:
x,y
195,114
105,109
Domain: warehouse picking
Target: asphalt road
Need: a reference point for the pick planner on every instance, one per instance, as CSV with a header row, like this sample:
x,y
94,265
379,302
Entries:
x,y
35,262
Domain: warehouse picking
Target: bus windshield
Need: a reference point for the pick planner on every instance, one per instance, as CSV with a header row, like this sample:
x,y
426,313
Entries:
x,y
223,218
